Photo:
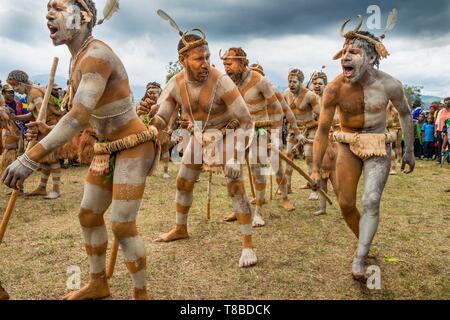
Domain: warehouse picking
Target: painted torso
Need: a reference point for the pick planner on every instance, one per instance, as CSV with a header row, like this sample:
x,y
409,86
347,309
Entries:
x,y
250,89
362,109
205,102
115,109
300,104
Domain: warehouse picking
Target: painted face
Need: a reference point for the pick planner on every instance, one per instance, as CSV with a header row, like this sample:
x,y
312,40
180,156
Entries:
x,y
234,68
354,62
17,86
153,93
8,95
294,84
197,63
63,21
319,86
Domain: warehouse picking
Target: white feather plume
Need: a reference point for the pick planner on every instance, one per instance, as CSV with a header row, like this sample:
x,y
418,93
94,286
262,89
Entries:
x,y
391,21
172,22
111,7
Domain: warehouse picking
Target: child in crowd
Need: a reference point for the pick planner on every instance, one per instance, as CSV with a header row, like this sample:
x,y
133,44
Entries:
x,y
428,137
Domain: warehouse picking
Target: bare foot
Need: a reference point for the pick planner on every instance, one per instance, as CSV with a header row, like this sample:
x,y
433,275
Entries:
x,y
97,288
141,294
37,192
313,196
447,190
359,270
393,172
305,186
287,205
248,258
258,220
3,294
319,213
166,175
52,195
230,217
177,233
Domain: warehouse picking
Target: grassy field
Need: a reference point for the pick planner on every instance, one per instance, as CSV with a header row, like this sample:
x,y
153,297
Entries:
x,y
300,256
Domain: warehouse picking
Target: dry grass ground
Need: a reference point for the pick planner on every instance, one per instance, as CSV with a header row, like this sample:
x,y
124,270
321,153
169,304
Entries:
x,y
300,256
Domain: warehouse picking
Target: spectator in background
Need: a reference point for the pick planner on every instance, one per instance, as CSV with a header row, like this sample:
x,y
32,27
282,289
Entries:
x,y
428,137
15,106
418,136
442,116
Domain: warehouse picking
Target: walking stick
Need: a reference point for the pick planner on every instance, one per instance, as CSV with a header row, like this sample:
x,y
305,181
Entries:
x,y
208,205
42,116
271,187
112,258
302,173
250,177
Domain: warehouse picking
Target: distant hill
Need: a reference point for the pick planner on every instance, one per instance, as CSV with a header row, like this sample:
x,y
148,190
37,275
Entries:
x,y
428,100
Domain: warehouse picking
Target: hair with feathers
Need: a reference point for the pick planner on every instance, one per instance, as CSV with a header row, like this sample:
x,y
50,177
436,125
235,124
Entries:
x,y
92,8
368,47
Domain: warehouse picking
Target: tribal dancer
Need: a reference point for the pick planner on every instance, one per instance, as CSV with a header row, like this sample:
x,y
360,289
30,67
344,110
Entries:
x,y
213,104
267,114
393,125
49,165
100,95
306,108
361,95
328,168
292,121
149,102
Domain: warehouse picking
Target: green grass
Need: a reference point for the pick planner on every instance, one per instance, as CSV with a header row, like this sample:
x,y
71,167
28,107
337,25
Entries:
x,y
300,256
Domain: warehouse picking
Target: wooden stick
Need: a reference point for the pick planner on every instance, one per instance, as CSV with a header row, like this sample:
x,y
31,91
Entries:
x,y
303,174
42,116
208,205
250,177
112,259
271,187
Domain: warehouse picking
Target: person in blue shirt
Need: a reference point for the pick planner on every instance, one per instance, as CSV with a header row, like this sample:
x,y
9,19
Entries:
x,y
428,137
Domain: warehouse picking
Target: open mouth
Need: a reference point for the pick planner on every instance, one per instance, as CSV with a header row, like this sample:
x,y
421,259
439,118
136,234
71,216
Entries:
x,y
348,71
53,31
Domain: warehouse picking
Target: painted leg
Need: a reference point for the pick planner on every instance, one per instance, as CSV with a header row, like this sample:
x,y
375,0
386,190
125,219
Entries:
x,y
322,200
376,172
290,153
187,176
241,207
131,170
42,188
96,200
56,175
260,187
165,159
282,183
348,172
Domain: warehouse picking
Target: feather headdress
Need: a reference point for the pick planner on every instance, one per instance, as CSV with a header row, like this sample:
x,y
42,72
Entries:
x,y
187,45
379,46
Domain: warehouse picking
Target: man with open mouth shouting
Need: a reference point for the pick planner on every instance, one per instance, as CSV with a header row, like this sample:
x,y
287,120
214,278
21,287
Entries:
x,y
361,95
99,94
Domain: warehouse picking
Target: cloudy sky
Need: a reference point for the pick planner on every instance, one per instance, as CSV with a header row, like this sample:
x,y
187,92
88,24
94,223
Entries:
x,y
278,34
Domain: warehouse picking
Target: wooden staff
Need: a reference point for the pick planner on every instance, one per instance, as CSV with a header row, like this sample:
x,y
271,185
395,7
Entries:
x,y
112,258
250,177
271,187
208,205
303,174
42,116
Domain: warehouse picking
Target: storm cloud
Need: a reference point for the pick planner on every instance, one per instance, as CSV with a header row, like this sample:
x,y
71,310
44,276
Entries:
x,y
278,34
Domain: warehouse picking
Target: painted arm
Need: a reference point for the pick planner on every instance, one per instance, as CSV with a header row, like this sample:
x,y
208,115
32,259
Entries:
x,y
167,106
398,99
274,108
95,74
325,121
